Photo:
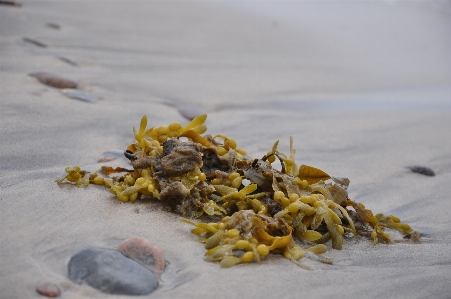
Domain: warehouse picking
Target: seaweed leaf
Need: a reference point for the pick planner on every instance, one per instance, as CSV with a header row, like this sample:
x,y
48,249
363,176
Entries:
x,y
197,122
193,135
312,174
107,170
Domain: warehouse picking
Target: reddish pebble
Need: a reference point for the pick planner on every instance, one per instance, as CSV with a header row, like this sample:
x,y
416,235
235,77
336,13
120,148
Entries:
x,y
145,253
48,289
54,80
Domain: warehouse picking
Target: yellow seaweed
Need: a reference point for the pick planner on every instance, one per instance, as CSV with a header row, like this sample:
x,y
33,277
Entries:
x,y
255,219
311,174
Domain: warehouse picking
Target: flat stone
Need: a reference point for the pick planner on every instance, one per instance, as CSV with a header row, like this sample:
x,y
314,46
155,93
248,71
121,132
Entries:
x,y
48,289
111,155
145,253
422,170
54,80
111,272
190,112
78,95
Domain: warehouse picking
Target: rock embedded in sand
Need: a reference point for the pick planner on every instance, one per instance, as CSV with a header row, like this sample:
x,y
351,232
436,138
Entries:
x,y
78,95
48,289
54,80
111,155
67,60
422,170
11,3
111,272
190,112
145,253
53,26
34,42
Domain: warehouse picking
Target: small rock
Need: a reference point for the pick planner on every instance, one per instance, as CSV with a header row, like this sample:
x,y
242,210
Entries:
x,y
34,42
67,60
48,289
78,95
12,3
422,170
190,112
111,155
54,80
145,253
53,26
111,272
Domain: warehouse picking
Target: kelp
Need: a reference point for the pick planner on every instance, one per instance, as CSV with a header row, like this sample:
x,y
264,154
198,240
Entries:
x,y
260,209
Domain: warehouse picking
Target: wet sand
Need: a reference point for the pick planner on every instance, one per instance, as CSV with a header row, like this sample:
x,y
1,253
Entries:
x,y
365,92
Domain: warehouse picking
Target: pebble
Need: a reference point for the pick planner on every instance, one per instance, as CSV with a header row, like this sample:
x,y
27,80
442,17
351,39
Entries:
x,y
54,80
11,3
422,170
423,232
67,60
78,95
53,26
111,272
111,155
48,289
34,42
190,112
145,253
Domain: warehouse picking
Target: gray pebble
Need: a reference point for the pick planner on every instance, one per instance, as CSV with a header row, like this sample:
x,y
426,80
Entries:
x,y
34,42
111,155
111,272
78,95
190,112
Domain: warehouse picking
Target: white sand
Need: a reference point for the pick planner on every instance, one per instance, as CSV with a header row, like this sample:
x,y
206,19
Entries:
x,y
363,87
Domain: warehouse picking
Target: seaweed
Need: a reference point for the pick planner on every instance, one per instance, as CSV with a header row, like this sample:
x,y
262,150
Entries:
x,y
288,211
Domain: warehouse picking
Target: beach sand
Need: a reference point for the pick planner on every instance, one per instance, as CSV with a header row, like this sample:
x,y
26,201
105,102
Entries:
x,y
364,88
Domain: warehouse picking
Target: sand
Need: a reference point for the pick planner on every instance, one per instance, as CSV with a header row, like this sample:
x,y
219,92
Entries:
x,y
364,88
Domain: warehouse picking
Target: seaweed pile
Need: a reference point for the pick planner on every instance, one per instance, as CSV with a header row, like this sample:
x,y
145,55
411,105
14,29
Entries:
x,y
258,209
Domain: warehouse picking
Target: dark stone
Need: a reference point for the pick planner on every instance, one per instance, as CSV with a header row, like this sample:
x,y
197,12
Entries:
x,y
48,289
111,272
422,170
